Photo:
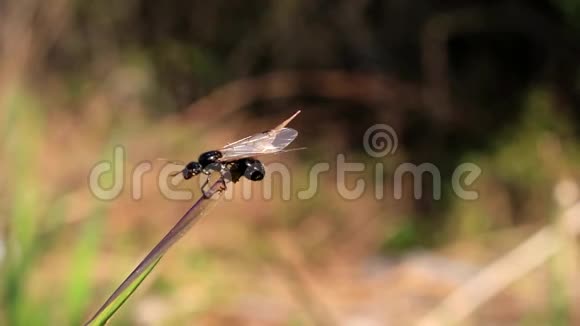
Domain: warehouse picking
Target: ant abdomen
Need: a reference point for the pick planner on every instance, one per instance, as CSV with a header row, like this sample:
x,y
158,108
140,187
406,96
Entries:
x,y
254,169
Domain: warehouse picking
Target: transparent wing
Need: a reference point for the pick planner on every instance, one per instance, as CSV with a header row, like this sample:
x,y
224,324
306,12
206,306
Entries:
x,y
268,142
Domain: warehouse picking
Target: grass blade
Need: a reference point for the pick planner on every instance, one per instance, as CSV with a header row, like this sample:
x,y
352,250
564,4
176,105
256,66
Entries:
x,y
139,274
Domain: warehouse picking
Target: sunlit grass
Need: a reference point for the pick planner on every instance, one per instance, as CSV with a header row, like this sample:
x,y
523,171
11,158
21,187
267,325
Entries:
x,y
36,216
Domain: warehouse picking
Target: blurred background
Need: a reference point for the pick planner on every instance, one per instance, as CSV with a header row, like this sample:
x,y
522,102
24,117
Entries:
x,y
495,83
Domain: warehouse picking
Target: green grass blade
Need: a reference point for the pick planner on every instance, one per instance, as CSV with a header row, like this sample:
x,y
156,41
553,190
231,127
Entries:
x,y
126,289
109,309
78,290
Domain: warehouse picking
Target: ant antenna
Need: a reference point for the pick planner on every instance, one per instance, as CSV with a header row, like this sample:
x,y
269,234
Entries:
x,y
174,174
170,161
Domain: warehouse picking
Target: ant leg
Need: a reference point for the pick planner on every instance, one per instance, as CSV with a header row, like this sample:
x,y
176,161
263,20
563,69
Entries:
x,y
222,181
224,172
205,193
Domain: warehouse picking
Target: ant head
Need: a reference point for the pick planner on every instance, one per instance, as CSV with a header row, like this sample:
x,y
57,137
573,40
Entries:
x,y
187,174
208,158
193,168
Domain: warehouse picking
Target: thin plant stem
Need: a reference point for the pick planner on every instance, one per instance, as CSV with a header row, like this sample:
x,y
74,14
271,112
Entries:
x,y
132,282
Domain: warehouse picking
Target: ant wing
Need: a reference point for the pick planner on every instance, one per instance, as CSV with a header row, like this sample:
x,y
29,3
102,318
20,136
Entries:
x,y
268,142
